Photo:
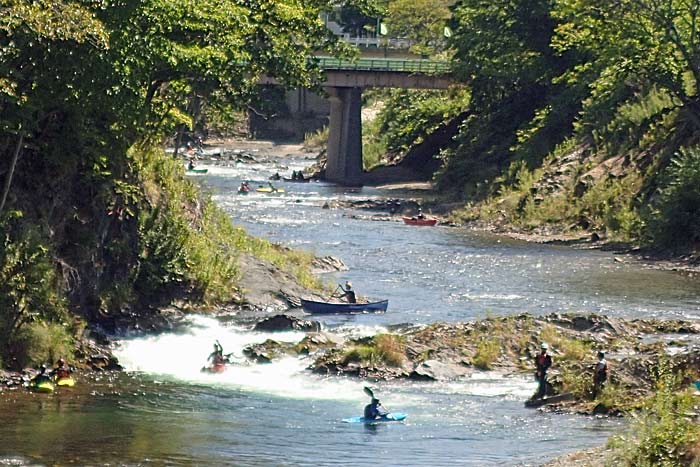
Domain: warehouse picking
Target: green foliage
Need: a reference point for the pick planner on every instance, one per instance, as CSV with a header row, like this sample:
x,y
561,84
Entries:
x,y
28,288
382,349
420,21
661,435
487,352
674,214
609,205
633,46
567,349
42,342
408,115
374,144
317,139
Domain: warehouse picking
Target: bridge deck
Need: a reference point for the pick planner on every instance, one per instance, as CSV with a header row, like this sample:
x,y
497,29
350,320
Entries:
x,y
430,67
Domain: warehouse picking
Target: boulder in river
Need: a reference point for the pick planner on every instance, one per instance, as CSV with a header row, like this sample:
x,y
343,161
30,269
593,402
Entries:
x,y
281,323
434,370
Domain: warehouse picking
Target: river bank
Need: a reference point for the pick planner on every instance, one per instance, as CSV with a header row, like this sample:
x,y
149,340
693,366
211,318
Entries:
x,y
422,194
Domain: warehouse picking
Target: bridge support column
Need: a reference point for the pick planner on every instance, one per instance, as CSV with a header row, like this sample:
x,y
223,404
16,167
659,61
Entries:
x,y
344,164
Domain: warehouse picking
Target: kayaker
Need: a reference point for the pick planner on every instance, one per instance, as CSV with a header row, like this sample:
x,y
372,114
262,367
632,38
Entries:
x,y
271,186
190,165
542,364
61,370
41,377
276,176
375,410
244,187
217,356
349,294
420,214
600,374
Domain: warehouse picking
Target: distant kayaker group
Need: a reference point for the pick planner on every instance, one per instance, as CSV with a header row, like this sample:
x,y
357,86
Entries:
x,y
45,380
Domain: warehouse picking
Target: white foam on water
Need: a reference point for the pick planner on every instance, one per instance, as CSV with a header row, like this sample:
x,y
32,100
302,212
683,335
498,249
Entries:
x,y
180,356
491,384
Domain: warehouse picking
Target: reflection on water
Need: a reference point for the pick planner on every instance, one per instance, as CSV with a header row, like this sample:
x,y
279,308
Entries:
x,y
166,412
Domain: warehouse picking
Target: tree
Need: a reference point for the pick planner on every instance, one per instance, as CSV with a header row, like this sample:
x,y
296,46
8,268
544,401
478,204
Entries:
x,y
420,21
638,46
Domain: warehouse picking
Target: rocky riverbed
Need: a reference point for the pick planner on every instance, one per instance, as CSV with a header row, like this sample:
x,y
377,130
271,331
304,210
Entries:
x,y
637,350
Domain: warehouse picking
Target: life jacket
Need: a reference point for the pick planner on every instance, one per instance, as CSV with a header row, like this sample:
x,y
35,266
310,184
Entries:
x,y
602,372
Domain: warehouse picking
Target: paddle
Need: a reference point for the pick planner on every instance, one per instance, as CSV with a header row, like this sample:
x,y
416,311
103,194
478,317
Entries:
x,y
333,294
370,393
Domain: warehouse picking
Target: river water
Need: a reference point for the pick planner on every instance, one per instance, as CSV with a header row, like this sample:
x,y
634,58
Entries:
x,y
164,411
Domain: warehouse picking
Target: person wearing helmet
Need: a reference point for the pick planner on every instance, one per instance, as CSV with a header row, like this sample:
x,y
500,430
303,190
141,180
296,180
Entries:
x,y
61,370
349,294
600,374
542,363
41,377
375,410
217,356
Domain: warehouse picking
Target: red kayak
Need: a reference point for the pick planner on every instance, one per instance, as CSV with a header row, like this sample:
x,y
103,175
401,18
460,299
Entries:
x,y
419,221
216,368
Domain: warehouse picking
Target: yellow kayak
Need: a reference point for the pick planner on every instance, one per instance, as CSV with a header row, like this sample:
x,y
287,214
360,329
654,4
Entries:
x,y
267,189
44,386
66,382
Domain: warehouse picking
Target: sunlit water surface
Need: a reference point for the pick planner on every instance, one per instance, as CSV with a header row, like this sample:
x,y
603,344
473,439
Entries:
x,y
164,411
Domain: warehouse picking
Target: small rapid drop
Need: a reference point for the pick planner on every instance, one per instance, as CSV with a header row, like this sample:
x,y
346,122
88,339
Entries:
x,y
181,356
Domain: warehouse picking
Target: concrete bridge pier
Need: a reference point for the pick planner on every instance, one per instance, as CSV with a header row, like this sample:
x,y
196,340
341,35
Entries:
x,y
344,164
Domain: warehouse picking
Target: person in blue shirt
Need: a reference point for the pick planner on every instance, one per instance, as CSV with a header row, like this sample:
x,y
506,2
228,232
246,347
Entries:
x,y
374,410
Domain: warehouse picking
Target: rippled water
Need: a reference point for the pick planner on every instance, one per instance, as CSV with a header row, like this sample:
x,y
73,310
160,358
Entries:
x,y
165,412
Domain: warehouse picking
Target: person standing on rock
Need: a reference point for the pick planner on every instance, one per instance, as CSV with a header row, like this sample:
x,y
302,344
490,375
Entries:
x,y
600,374
542,363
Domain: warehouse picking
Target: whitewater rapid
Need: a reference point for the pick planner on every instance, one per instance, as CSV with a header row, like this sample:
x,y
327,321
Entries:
x,y
180,356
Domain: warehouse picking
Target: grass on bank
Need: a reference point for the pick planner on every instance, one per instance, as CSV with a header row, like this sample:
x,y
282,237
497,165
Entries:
x,y
382,349
208,244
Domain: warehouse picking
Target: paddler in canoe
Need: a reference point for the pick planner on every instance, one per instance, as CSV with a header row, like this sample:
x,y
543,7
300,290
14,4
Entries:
x,y
347,293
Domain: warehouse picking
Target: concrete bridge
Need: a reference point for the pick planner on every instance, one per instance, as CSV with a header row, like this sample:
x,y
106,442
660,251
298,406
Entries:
x,y
345,81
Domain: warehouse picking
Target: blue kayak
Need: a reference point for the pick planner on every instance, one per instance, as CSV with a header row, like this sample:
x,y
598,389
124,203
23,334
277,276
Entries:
x,y
392,417
325,307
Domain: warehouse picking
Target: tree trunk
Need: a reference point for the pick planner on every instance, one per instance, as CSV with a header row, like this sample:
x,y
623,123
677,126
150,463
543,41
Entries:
x,y
10,173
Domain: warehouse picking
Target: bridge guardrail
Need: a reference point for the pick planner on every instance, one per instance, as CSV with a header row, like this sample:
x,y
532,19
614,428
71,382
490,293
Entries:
x,y
386,64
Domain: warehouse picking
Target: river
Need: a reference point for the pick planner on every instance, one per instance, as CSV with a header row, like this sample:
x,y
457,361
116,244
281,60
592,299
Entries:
x,y
163,411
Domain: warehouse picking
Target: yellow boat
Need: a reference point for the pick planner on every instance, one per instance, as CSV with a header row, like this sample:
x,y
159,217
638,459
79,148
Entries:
x,y
43,386
267,189
66,382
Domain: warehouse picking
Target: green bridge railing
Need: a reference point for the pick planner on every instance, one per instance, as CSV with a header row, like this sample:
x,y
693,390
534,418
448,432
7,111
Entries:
x,y
431,67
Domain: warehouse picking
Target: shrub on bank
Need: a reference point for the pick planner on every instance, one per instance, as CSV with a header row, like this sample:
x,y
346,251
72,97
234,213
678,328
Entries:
x,y
487,352
382,349
41,343
31,307
665,433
